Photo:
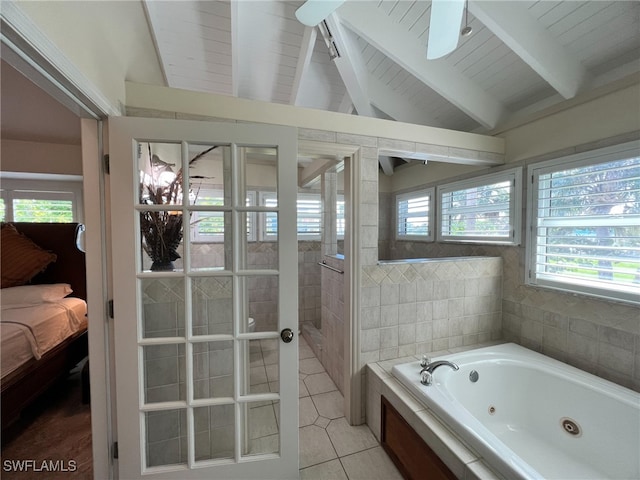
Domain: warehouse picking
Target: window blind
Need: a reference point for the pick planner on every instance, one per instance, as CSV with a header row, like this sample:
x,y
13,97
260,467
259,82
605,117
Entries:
x,y
414,215
587,230
477,212
482,209
309,216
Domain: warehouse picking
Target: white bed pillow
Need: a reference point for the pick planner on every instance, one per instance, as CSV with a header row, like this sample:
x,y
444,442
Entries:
x,y
34,294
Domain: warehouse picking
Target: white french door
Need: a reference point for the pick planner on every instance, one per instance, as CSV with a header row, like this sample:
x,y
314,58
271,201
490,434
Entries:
x,y
206,358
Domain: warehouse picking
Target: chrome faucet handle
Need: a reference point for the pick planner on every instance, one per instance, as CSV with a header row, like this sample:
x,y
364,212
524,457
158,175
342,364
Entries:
x,y
425,361
426,378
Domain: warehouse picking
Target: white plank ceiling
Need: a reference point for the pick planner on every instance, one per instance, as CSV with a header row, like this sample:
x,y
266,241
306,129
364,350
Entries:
x,y
522,56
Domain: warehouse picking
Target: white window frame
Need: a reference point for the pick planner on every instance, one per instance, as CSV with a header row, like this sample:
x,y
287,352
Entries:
x,y
581,286
218,192
400,232
42,187
513,175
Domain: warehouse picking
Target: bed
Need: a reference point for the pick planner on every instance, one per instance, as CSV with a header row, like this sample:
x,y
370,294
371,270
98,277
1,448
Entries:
x,y
44,327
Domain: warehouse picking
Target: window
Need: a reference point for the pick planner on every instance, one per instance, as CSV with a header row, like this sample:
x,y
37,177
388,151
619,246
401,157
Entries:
x,y
269,220
309,208
40,201
414,214
340,217
585,216
209,226
483,209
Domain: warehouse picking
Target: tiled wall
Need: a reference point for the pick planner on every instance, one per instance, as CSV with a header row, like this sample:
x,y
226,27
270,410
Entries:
x,y
309,290
163,315
596,335
264,254
384,340
414,308
333,326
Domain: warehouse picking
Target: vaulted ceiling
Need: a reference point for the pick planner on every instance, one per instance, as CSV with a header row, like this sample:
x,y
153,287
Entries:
x,y
522,56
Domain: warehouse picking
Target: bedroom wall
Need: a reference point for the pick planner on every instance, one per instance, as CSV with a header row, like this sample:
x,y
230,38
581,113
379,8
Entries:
x,y
40,157
39,134
106,55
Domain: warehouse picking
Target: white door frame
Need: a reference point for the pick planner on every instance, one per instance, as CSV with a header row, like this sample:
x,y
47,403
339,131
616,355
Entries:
x,y
28,50
97,243
350,153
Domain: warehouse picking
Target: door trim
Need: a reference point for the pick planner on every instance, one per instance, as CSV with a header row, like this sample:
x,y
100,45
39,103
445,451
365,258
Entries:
x,y
27,49
97,242
56,75
354,412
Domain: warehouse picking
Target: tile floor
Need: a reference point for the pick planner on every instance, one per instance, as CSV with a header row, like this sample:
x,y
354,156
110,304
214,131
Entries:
x,y
330,448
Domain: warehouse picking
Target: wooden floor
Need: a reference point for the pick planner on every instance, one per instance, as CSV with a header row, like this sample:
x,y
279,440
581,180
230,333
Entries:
x,y
54,433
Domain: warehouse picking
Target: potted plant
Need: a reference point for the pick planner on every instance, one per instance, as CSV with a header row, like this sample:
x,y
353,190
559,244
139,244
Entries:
x,y
162,231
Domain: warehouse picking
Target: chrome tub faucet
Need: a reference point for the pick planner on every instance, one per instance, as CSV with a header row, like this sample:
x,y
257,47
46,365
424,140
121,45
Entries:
x,y
428,367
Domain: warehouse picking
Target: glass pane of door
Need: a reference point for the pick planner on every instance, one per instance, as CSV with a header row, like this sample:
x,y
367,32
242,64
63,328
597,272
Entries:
x,y
209,296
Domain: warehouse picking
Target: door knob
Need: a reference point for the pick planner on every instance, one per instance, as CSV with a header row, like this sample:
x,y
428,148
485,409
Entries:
x,y
286,335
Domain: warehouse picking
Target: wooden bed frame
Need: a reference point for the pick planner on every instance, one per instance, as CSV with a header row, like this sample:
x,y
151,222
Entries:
x,y
24,385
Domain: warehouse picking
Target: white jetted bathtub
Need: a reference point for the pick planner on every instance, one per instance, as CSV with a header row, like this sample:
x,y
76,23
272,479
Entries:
x,y
531,416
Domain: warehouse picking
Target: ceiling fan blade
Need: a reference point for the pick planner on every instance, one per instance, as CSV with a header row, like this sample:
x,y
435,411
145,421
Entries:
x,y
312,12
444,27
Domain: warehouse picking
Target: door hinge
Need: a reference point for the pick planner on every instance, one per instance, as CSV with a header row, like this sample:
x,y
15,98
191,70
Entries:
x,y
110,308
105,159
115,450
